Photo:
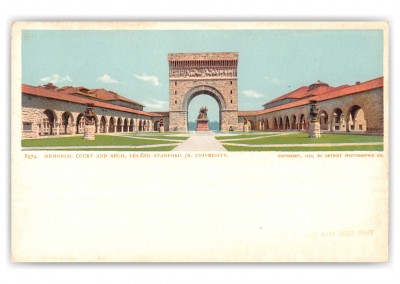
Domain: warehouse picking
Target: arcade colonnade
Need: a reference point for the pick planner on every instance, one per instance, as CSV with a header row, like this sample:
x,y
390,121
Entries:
x,y
43,116
361,112
67,122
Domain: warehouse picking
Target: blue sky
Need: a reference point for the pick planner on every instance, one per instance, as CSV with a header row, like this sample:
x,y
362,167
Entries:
x,y
134,63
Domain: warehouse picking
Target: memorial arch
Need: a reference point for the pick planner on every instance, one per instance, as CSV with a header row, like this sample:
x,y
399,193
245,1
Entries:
x,y
193,74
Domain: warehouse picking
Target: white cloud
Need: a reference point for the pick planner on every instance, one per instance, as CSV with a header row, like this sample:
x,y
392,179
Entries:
x,y
149,78
156,104
273,80
253,94
107,79
56,78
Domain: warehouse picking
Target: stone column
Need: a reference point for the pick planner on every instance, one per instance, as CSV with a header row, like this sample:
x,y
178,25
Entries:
x,y
106,128
37,129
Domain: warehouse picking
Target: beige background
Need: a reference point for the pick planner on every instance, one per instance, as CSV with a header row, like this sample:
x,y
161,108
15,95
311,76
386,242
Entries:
x,y
247,207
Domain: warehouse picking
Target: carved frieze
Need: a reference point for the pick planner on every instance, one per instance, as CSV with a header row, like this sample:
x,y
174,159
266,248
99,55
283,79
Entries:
x,y
202,72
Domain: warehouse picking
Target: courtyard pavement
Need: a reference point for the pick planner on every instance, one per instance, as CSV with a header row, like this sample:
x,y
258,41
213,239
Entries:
x,y
200,141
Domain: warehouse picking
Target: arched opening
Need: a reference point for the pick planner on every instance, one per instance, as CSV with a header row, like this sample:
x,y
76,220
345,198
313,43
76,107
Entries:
x,y
132,125
338,123
294,122
48,122
303,125
280,123
287,123
156,125
201,96
323,120
111,125
213,111
252,125
275,124
126,126
356,119
140,125
266,124
119,124
80,123
67,121
102,125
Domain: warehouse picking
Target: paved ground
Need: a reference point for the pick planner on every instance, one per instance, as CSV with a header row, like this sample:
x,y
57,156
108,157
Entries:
x,y
200,141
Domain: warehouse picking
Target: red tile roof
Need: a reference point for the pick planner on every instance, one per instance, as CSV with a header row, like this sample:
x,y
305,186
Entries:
x,y
341,91
101,94
248,112
162,113
303,92
64,96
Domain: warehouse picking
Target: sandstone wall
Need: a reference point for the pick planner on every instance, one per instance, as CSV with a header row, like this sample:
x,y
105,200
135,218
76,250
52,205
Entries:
x,y
33,108
371,102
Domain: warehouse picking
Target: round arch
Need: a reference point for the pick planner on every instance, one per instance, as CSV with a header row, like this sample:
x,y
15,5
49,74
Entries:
x,y
356,119
49,120
67,123
80,123
287,123
338,122
294,122
275,124
132,125
302,122
111,125
126,125
103,123
323,120
280,126
119,124
203,90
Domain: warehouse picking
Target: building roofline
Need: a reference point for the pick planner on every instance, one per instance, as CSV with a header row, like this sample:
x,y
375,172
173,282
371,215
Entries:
x,y
60,95
336,93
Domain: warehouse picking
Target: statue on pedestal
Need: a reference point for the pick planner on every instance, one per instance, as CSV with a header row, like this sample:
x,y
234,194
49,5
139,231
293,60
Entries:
x,y
161,126
315,129
203,113
90,127
202,120
313,111
245,125
90,114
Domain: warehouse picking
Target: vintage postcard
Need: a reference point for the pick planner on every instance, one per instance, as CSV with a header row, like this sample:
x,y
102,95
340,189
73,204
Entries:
x,y
200,142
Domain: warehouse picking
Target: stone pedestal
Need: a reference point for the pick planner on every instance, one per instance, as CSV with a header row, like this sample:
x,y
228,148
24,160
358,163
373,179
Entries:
x,y
90,132
202,125
161,130
314,130
245,128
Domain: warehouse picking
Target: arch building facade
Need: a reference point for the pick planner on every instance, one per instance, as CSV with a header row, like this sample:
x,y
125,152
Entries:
x,y
193,74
